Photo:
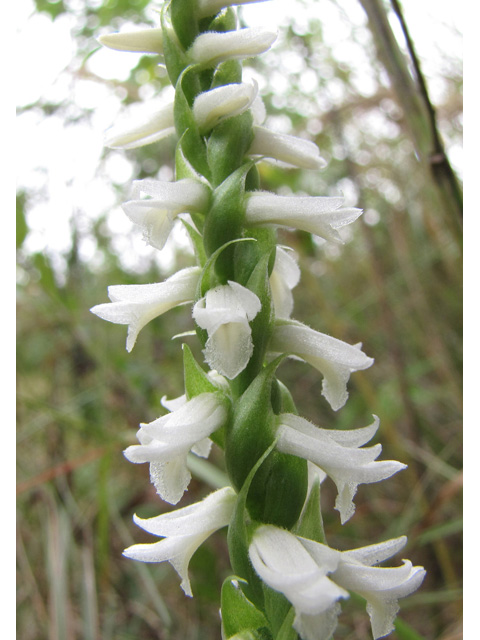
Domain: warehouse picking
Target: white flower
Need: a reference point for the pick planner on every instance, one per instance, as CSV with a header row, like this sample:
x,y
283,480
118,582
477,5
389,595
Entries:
x,y
144,41
291,150
225,313
136,305
313,577
283,563
138,127
212,7
211,107
211,48
183,531
166,442
319,215
285,276
156,214
338,454
335,359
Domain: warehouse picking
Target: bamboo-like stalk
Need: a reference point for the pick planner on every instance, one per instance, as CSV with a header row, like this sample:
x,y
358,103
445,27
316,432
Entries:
x,y
419,113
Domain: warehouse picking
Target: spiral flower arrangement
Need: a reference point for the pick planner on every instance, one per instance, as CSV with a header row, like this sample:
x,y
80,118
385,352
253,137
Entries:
x,y
286,581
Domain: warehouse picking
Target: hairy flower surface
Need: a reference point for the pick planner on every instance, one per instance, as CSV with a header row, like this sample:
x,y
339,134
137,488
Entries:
x,y
136,305
211,48
319,215
211,107
335,359
156,214
225,313
166,442
313,577
183,531
338,454
291,150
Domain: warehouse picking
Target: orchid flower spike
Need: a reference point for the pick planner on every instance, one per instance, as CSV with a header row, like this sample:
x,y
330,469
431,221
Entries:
x,y
139,129
285,276
211,48
136,305
156,214
183,531
225,312
144,41
314,577
166,442
338,454
319,215
335,359
211,107
291,150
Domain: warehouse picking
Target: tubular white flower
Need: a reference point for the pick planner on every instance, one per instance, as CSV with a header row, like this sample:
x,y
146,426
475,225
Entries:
x,y
381,587
335,359
285,276
144,41
211,48
211,107
321,576
291,150
138,130
183,531
319,215
338,454
283,563
156,214
166,442
136,305
225,313
212,7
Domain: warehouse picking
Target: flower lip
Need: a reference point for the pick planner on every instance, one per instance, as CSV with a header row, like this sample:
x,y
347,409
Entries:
x,y
332,357
136,305
183,531
166,442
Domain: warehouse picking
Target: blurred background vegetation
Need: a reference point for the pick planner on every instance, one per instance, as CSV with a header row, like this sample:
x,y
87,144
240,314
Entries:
x,y
348,82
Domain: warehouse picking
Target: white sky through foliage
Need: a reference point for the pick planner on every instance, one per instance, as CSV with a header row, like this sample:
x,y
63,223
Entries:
x,y
58,163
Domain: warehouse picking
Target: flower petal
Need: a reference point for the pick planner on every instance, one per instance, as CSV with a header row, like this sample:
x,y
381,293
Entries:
x,y
211,48
144,41
293,151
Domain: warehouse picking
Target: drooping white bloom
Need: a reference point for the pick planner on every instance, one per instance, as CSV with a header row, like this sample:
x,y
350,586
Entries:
x,y
283,563
166,442
136,305
319,215
285,276
211,107
338,454
313,577
212,7
335,359
211,48
156,214
225,313
291,150
144,41
183,531
137,129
